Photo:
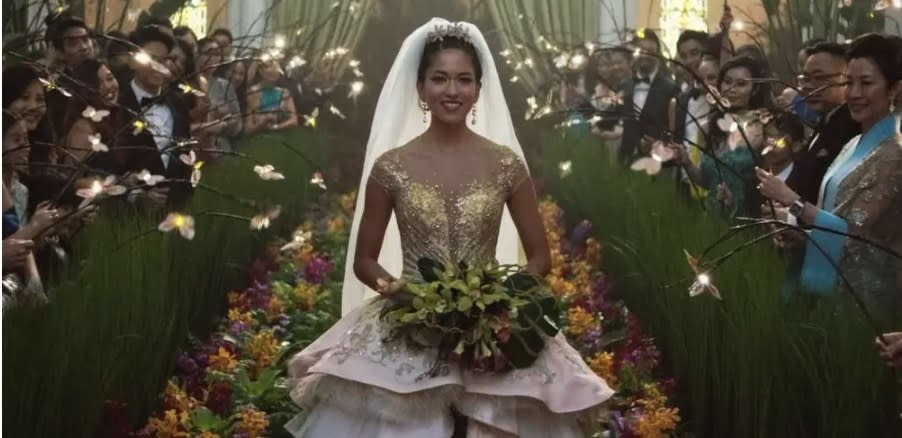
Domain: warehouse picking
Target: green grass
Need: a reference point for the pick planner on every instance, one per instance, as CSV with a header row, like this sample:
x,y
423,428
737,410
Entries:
x,y
752,365
120,312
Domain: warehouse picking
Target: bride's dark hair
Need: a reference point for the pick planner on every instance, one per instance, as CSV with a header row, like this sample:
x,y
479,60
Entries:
x,y
433,48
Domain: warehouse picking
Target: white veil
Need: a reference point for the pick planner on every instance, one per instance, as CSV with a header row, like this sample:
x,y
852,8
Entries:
x,y
398,119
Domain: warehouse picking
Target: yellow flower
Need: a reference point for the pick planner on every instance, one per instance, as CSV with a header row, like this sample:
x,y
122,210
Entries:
x,y
208,435
262,347
579,321
337,224
168,426
603,366
305,253
275,308
252,422
305,295
223,361
178,398
561,287
247,318
593,252
658,423
348,202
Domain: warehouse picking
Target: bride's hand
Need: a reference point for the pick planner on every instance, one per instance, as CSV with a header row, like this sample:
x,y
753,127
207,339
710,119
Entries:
x,y
389,288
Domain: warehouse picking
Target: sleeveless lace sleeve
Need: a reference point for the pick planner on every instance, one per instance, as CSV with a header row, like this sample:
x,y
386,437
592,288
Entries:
x,y
387,172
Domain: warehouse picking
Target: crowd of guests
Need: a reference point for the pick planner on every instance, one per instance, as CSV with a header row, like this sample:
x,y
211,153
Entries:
x,y
821,151
98,110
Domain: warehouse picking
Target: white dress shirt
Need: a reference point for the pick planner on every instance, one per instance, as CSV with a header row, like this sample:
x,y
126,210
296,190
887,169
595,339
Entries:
x,y
640,91
159,122
785,172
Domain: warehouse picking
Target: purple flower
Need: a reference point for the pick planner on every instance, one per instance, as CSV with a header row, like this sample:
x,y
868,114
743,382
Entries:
x,y
316,269
237,327
186,365
592,339
578,237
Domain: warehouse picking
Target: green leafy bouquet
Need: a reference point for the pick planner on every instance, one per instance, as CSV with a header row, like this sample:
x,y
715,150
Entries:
x,y
488,319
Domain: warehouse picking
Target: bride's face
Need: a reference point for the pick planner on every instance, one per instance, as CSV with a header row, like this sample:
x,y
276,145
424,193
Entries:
x,y
449,86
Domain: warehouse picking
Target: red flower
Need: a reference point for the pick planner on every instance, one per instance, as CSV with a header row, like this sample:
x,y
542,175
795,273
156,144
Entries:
x,y
219,398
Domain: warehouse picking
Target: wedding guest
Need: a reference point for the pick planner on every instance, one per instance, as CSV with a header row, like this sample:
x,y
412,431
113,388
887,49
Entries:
x,y
72,43
861,193
690,48
117,53
235,73
92,120
15,162
821,81
161,114
730,178
784,138
225,108
184,33
649,99
689,121
271,107
225,39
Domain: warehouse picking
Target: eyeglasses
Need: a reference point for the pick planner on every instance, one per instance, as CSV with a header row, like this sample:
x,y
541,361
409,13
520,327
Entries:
x,y
818,81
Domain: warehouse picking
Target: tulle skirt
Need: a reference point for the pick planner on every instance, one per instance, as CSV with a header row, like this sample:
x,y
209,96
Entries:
x,y
352,383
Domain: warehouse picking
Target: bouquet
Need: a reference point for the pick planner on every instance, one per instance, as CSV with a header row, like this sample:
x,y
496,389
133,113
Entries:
x,y
489,319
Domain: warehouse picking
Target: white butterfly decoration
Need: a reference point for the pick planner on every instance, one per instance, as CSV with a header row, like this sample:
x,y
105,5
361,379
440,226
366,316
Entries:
x,y
318,180
96,143
149,178
566,168
337,112
660,154
50,86
268,173
262,220
727,123
186,89
190,159
94,114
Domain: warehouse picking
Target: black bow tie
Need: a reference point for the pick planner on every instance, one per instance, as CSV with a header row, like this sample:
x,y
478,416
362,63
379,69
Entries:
x,y
640,79
695,93
150,101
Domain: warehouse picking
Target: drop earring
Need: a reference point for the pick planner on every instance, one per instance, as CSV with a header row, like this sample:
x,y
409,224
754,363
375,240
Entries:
x,y
473,121
425,108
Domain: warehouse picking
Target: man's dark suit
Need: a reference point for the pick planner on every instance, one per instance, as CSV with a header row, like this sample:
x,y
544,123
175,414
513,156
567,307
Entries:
x,y
139,151
652,120
811,165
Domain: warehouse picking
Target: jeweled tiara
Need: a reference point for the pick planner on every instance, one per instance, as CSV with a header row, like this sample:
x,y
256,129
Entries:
x,y
443,31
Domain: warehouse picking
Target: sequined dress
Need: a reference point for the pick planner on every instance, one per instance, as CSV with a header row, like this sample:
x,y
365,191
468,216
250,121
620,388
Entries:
x,y
351,383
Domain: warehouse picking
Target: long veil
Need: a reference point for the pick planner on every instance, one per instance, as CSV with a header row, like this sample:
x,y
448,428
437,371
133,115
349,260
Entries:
x,y
398,119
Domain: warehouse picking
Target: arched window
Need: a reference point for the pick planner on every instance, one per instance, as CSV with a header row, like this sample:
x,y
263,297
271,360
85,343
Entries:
x,y
193,15
680,15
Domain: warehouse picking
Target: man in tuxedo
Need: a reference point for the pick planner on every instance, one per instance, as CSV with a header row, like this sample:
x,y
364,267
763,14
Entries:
x,y
650,97
163,114
821,81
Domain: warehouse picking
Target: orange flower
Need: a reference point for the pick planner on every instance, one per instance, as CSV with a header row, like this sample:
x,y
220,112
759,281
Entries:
x,y
658,423
305,253
247,318
579,321
177,398
262,347
337,224
603,366
223,361
593,252
169,426
252,422
348,202
208,435
274,309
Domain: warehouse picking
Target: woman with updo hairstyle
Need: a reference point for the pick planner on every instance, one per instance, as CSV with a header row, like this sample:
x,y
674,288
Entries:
x,y
456,183
861,193
735,136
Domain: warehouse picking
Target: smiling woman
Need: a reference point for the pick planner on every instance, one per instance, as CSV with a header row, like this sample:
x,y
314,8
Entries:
x,y
448,80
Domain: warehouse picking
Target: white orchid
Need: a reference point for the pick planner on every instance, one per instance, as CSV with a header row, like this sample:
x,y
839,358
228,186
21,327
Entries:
x,y
702,284
100,189
298,240
268,173
149,178
262,220
190,159
94,114
177,221
96,144
566,168
318,180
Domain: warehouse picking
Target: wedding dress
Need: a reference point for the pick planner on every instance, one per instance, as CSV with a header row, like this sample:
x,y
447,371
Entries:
x,y
352,382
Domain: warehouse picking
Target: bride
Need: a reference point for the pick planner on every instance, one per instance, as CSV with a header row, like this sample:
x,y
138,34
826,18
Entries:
x,y
441,195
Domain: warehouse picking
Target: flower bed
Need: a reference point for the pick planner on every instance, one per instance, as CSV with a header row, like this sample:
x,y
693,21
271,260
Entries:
x,y
233,384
